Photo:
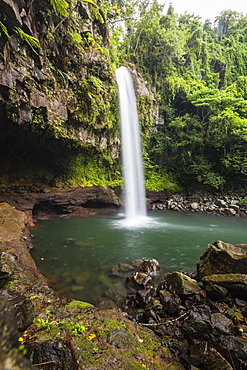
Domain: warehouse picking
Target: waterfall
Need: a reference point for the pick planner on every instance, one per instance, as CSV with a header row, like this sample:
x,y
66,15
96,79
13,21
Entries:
x,y
135,205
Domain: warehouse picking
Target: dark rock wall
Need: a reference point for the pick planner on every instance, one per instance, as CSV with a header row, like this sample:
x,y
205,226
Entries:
x,y
57,87
58,95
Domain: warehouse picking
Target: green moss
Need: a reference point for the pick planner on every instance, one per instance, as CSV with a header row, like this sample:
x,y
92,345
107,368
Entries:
x,y
105,327
83,345
85,170
78,304
101,336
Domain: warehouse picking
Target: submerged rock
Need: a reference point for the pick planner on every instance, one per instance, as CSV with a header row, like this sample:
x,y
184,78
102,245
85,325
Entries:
x,y
125,267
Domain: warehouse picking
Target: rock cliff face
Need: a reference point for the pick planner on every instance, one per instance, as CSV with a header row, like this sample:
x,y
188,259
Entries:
x,y
58,96
56,83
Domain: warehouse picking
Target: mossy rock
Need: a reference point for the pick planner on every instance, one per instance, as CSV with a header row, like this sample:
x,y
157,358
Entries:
x,y
95,339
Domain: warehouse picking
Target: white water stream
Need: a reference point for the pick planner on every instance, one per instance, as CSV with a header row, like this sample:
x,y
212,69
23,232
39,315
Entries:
x,y
135,205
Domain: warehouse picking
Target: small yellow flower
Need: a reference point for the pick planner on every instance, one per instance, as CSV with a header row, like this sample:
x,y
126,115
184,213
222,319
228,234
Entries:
x,y
20,339
92,336
241,329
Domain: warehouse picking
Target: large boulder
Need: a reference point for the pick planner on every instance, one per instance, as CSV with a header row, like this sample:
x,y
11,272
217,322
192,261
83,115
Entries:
x,y
236,284
223,258
198,325
179,283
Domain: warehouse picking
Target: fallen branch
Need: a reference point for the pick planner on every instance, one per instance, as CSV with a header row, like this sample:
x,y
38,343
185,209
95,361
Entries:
x,y
43,363
168,321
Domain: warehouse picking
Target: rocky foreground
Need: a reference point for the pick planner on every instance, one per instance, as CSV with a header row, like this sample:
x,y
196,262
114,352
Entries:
x,y
182,320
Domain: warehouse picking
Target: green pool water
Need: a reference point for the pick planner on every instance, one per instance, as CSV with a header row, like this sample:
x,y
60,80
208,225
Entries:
x,y
75,253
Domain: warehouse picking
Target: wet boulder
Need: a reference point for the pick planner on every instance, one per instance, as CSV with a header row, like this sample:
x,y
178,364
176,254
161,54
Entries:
x,y
57,353
233,349
236,284
138,261
215,292
154,310
179,283
198,353
138,280
171,302
223,258
130,303
144,296
151,267
221,324
213,360
138,315
198,325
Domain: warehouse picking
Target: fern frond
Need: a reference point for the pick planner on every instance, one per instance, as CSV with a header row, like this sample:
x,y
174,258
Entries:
x,y
60,6
30,40
91,2
98,16
4,29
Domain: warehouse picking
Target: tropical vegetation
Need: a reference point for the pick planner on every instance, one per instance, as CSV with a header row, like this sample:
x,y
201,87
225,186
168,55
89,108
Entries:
x,y
199,71
196,71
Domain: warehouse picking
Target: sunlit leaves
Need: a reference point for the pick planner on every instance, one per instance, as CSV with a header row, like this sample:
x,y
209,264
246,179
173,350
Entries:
x,y
61,6
30,40
3,28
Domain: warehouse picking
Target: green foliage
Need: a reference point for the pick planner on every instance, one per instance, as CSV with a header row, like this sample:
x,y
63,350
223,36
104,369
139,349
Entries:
x,y
198,75
76,38
198,71
156,178
244,201
91,2
4,29
86,170
61,6
30,40
74,328
44,324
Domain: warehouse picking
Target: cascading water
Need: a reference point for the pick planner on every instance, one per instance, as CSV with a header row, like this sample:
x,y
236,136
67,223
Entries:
x,y
135,205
